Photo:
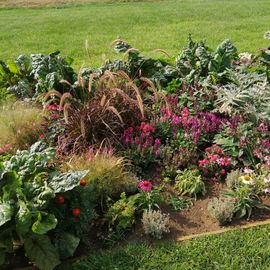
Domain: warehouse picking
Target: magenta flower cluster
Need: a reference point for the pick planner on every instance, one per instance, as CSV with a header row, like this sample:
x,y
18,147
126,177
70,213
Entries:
x,y
216,163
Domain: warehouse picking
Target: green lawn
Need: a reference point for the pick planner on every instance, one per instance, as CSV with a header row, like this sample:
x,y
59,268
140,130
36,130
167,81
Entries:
x,y
247,249
146,25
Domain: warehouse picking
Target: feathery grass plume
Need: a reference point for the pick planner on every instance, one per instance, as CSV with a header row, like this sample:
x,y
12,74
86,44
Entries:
x,y
105,115
63,99
90,82
20,125
151,87
163,52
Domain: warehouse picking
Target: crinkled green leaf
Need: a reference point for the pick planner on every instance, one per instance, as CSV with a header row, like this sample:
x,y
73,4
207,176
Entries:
x,y
40,250
6,212
66,181
44,223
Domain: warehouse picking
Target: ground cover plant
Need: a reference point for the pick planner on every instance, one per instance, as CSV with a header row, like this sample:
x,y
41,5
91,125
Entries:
x,y
115,148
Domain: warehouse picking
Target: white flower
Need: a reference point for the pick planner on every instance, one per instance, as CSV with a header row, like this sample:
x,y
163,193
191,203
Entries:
x,y
247,180
267,190
248,171
245,57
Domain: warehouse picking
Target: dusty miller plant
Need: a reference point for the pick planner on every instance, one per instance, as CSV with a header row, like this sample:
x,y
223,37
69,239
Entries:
x,y
155,223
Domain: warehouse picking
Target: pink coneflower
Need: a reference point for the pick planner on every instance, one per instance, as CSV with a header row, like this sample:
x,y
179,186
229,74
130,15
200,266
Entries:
x,y
145,185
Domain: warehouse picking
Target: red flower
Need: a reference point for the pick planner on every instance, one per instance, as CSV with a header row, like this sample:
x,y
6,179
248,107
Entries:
x,y
145,185
42,136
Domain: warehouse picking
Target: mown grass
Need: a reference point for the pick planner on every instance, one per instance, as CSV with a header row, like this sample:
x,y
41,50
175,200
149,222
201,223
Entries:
x,y
146,25
238,250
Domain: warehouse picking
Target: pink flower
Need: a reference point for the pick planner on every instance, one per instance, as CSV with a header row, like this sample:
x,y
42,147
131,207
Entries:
x,y
145,185
203,162
42,136
247,170
185,112
223,171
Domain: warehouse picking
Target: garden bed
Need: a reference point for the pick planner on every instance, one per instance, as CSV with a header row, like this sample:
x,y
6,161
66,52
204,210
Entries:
x,y
136,149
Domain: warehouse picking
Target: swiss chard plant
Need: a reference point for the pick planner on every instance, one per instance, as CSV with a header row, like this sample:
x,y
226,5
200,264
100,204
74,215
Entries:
x,y
32,197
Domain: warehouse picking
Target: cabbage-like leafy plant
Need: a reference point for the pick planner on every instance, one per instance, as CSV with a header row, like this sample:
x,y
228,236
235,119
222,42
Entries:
x,y
29,192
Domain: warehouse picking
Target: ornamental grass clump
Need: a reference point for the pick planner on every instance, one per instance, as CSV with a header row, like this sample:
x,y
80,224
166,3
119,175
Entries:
x,y
107,173
155,223
20,125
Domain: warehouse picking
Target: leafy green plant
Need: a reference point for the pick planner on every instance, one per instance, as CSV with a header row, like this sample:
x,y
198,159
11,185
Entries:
x,y
29,191
178,203
29,76
121,216
196,62
189,182
245,200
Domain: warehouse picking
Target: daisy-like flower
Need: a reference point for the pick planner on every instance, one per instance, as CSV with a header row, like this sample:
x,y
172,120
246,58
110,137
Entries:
x,y
267,190
246,180
248,171
145,185
267,35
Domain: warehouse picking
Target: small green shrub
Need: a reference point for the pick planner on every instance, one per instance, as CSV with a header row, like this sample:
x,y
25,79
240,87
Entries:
x,y
155,223
178,203
121,217
221,209
189,182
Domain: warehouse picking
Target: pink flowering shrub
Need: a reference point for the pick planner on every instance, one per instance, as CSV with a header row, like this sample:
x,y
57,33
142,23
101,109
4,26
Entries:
x,y
215,163
142,147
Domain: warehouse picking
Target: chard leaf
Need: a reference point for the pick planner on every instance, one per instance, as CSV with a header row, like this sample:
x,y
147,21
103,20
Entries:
x,y
44,223
66,181
40,250
6,212
67,244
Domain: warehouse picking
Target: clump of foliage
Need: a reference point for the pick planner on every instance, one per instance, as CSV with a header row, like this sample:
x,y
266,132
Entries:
x,y
189,182
27,77
221,209
121,217
197,62
32,198
107,174
115,104
20,124
178,203
155,223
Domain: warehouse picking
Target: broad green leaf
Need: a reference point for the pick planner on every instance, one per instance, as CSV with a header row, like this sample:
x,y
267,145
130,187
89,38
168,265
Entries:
x,y
44,223
66,181
67,244
24,218
6,212
40,250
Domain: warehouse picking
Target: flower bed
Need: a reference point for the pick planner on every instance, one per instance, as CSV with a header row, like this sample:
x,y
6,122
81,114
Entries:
x,y
137,145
